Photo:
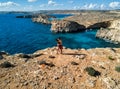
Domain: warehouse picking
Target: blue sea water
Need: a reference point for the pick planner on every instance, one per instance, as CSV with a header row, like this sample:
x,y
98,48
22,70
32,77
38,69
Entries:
x,y
18,35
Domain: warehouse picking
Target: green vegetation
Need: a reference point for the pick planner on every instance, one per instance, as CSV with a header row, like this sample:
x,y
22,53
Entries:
x,y
117,68
111,58
92,72
6,64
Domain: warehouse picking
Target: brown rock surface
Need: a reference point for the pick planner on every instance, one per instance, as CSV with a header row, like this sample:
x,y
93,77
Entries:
x,y
94,19
66,26
37,72
42,19
85,20
112,33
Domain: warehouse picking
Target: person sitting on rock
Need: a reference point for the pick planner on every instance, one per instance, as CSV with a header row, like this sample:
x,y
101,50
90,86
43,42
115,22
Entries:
x,y
59,45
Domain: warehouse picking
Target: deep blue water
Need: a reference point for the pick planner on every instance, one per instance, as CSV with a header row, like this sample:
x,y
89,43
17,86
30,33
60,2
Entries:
x,y
18,35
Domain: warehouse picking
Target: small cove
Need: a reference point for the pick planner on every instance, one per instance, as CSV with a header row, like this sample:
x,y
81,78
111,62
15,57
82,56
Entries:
x,y
20,35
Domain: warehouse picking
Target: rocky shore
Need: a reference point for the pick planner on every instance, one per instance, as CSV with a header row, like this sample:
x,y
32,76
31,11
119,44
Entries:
x,y
74,69
39,18
45,19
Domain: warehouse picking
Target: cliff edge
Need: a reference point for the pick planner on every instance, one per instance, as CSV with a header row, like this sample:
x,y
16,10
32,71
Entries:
x,y
74,69
85,20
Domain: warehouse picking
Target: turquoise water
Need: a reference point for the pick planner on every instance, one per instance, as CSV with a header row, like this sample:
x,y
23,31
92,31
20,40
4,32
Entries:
x,y
18,35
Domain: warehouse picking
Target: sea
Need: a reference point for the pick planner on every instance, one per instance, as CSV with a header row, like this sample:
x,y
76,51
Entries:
x,y
21,35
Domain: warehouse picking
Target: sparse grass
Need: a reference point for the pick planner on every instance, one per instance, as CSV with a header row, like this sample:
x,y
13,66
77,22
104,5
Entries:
x,y
111,58
6,64
117,68
92,72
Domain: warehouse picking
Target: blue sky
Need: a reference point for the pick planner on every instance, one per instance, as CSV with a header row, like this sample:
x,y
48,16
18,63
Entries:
x,y
34,5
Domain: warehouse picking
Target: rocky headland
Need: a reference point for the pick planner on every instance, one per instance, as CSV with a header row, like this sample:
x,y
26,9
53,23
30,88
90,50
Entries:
x,y
66,26
107,22
88,20
112,33
27,16
39,18
74,69
43,18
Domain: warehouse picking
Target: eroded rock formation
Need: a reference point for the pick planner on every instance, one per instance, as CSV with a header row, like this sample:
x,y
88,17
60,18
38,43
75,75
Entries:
x,y
111,33
86,20
66,26
46,19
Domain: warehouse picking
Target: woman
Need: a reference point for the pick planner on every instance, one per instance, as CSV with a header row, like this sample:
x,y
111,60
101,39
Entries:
x,y
59,45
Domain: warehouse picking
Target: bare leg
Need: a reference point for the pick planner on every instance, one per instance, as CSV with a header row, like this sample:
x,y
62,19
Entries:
x,y
57,50
61,51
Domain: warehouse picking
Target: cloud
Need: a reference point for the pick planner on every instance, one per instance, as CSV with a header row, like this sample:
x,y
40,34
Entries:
x,y
51,2
32,0
89,6
102,6
8,4
114,4
94,6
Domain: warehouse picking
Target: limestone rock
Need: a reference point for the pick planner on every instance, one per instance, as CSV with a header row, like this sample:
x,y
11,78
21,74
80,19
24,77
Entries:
x,y
66,26
110,83
61,71
45,19
112,33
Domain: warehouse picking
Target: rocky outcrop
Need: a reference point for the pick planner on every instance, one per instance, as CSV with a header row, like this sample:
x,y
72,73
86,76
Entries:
x,y
45,69
46,19
98,25
26,16
112,33
93,19
66,26
85,20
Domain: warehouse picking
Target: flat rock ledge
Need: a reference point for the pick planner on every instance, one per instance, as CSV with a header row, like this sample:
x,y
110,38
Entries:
x,y
66,26
45,69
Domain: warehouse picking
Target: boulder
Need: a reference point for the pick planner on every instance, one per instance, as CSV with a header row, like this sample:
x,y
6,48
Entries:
x,y
66,26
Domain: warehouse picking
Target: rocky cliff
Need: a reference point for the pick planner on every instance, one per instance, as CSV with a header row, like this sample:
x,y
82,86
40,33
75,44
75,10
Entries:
x,y
27,16
43,19
66,26
74,69
85,20
93,19
112,33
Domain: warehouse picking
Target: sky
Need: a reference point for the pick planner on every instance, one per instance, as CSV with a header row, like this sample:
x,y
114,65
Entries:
x,y
35,5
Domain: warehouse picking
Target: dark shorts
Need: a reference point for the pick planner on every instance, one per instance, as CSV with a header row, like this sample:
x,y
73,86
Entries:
x,y
60,46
